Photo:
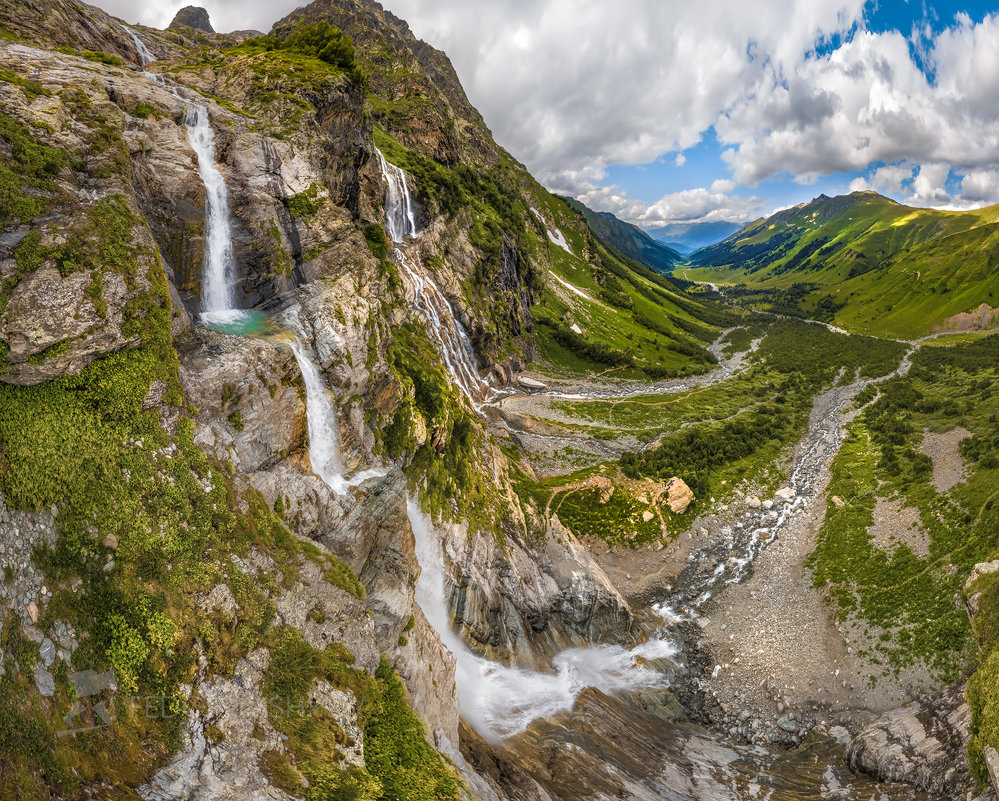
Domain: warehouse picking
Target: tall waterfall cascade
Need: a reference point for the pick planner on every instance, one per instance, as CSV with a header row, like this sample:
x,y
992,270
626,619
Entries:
x,y
217,292
499,701
443,326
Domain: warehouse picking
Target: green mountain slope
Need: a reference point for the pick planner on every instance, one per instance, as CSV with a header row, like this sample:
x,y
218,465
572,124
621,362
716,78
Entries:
x,y
629,239
866,262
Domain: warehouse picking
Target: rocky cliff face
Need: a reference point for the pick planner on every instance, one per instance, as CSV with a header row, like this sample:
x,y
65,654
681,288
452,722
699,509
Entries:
x,y
101,261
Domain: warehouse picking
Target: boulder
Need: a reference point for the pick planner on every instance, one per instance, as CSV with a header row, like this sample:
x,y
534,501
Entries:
x,y
678,495
530,384
44,681
47,652
922,744
53,327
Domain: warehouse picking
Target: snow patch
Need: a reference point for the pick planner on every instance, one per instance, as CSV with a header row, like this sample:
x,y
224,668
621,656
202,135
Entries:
x,y
571,288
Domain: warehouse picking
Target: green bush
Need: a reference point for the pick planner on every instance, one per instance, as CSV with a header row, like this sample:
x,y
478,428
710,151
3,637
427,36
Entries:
x,y
143,110
318,40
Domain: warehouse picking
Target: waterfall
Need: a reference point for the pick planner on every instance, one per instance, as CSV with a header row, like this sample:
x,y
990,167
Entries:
x,y
324,435
448,334
398,202
144,55
217,274
324,432
500,701
450,338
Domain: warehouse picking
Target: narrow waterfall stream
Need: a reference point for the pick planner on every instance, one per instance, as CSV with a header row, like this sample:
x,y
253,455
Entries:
x,y
217,295
324,432
448,334
500,701
140,46
324,436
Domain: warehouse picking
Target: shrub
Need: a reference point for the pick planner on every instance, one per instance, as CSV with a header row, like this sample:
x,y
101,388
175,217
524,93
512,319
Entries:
x,y
319,40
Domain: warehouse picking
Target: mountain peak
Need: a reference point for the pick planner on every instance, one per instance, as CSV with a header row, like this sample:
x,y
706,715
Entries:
x,y
194,17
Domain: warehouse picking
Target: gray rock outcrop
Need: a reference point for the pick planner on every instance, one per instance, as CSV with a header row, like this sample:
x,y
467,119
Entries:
x,y
194,17
923,744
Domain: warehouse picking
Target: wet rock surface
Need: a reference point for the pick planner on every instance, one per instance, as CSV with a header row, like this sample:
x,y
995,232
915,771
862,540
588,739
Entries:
x,y
922,745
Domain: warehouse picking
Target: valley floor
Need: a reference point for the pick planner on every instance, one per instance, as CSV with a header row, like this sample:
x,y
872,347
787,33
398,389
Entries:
x,y
766,658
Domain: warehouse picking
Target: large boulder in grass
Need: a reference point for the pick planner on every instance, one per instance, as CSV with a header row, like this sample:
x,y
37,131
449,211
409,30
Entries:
x,y
678,495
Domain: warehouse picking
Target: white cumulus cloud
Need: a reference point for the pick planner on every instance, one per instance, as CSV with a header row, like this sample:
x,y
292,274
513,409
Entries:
x,y
573,86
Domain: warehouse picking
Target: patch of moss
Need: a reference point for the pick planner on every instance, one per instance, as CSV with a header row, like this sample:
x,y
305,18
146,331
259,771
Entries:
x,y
340,575
97,56
31,89
33,166
278,258
143,110
53,350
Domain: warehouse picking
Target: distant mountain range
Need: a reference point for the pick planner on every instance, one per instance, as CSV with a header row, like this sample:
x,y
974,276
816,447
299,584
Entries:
x,y
867,262
629,239
688,237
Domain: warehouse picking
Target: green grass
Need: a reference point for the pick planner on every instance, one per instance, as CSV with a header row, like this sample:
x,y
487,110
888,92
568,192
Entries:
x,y
915,600
97,56
864,261
618,520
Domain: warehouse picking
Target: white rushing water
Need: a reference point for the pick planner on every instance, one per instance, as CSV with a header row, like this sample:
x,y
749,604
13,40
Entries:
x,y
324,434
499,701
398,201
217,296
144,55
324,431
448,334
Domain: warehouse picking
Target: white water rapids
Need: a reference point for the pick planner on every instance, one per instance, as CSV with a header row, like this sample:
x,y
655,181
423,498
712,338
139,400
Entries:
x,y
499,701
449,336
